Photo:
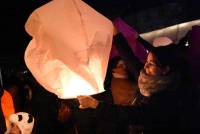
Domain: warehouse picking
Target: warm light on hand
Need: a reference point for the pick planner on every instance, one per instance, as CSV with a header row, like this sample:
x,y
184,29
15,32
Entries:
x,y
87,102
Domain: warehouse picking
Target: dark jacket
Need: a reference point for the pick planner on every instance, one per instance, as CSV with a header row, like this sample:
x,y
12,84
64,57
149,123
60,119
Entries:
x,y
158,114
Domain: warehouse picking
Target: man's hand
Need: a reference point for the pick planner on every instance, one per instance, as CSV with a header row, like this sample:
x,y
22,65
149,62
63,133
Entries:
x,y
87,102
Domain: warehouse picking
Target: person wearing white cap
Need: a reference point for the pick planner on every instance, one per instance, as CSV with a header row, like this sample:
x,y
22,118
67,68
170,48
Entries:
x,y
20,123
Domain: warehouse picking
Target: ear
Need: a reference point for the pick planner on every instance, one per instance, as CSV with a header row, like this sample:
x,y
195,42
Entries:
x,y
165,70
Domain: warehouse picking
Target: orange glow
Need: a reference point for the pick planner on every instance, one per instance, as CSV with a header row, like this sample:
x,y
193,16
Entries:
x,y
74,85
7,106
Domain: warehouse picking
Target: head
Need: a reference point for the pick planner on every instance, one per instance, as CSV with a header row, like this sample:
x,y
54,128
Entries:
x,y
120,70
20,123
157,76
153,67
162,68
161,57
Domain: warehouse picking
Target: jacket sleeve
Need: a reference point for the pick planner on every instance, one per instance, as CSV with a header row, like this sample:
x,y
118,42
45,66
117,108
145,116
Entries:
x,y
133,64
131,35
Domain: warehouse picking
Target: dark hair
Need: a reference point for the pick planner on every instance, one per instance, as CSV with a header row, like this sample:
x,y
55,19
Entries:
x,y
172,55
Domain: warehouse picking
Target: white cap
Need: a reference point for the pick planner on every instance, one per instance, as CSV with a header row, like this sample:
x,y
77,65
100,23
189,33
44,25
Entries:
x,y
23,120
162,41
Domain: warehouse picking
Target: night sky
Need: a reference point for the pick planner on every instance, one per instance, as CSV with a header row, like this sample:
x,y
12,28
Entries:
x,y
14,39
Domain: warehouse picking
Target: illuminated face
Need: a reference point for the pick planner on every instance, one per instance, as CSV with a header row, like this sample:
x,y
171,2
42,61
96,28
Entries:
x,y
152,66
120,71
120,68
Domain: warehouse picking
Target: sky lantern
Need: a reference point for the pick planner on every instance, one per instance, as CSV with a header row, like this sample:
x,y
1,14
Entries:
x,y
70,46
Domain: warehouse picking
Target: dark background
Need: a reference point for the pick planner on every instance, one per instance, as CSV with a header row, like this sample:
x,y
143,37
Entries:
x,y
144,15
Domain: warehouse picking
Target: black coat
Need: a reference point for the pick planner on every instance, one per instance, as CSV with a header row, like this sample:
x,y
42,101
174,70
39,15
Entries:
x,y
159,113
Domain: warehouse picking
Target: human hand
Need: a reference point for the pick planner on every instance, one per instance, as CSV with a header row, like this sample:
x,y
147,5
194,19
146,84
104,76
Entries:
x,y
87,102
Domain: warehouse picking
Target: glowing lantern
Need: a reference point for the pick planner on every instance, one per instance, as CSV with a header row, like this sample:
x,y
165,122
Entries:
x,y
69,51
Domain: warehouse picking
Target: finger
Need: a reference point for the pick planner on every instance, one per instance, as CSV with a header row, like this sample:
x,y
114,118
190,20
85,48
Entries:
x,y
81,107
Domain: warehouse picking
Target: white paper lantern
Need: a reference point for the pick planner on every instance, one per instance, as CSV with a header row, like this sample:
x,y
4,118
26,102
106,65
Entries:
x,y
69,51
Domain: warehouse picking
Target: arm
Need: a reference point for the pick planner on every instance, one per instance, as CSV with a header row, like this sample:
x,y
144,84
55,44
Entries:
x,y
114,113
131,36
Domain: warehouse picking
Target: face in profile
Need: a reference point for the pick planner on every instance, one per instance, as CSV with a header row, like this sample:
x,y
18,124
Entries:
x,y
120,68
